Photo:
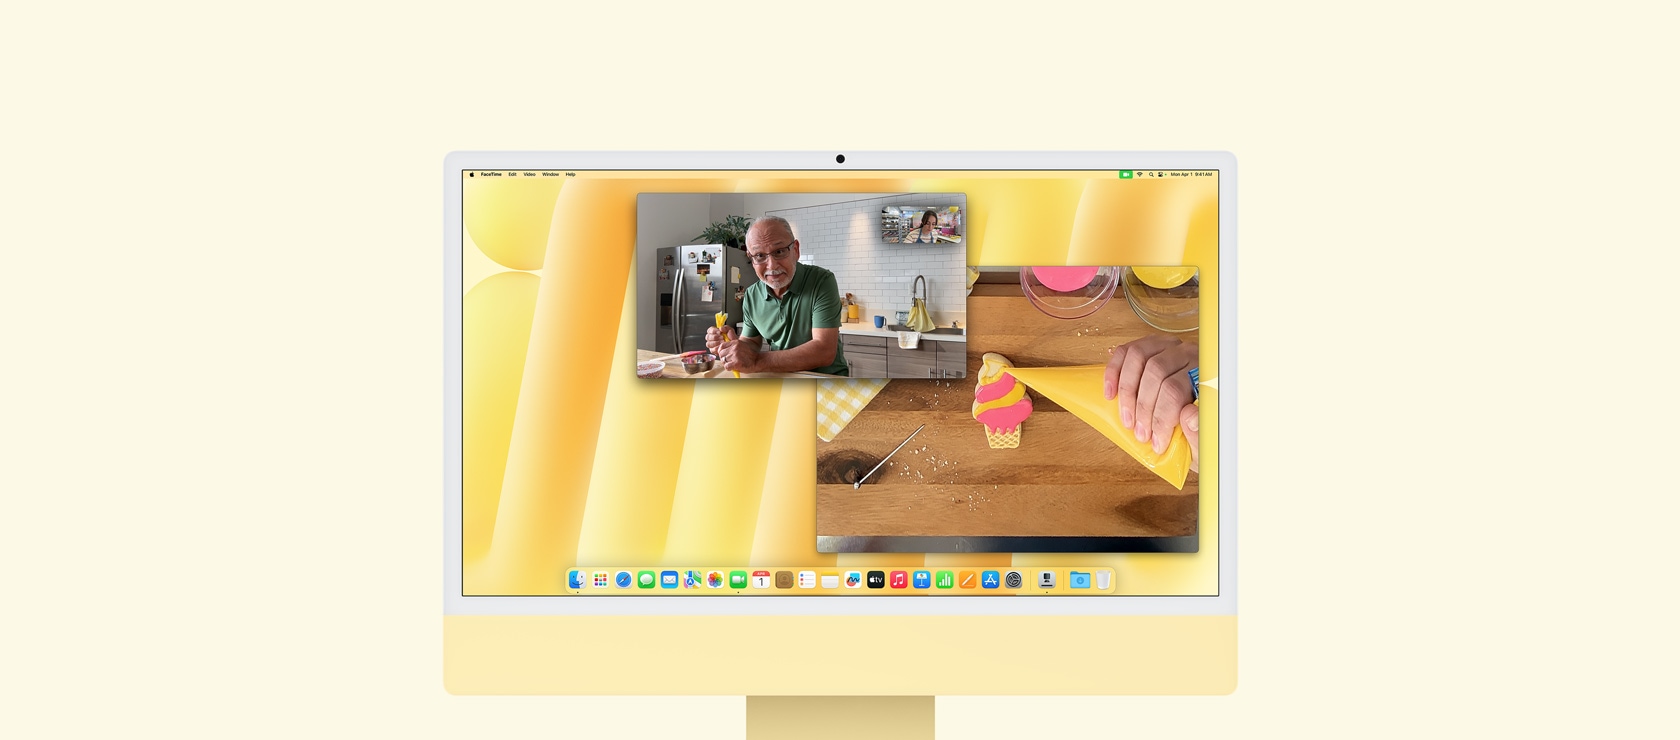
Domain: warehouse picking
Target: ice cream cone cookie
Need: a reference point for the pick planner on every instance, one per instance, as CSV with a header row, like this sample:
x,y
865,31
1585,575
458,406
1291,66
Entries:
x,y
1000,403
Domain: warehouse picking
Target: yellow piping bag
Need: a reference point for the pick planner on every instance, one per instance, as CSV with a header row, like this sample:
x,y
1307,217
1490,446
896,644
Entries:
x,y
723,318
1080,391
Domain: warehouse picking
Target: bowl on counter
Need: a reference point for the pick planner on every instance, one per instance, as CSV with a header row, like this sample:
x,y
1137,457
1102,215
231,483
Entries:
x,y
1164,297
650,369
1069,292
697,362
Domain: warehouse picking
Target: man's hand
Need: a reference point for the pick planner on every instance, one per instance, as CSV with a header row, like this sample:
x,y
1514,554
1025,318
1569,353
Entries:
x,y
1150,378
740,356
1190,420
715,338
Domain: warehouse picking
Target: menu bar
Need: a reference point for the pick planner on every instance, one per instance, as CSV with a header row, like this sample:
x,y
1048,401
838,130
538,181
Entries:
x,y
882,581
519,173
1164,174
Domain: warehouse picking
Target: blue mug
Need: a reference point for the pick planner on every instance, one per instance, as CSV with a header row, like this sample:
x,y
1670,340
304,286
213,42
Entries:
x,y
880,321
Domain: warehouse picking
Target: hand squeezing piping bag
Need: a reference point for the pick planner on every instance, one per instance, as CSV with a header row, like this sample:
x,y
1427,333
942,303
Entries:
x,y
1079,390
723,318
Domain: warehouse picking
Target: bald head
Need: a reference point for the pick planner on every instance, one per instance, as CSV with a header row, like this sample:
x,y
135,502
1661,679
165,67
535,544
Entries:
x,y
773,229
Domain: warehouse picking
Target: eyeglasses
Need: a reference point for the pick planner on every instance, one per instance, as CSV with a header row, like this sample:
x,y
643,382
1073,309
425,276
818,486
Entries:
x,y
759,259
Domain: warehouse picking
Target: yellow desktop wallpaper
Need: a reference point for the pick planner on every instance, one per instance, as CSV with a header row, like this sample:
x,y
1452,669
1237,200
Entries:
x,y
569,459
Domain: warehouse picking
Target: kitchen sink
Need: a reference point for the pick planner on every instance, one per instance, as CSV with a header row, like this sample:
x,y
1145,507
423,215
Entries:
x,y
939,330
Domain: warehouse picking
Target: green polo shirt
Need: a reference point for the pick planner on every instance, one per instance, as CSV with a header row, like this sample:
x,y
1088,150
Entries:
x,y
811,302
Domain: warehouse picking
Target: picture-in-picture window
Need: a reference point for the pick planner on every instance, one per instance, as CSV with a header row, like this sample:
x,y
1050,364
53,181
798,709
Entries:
x,y
922,224
799,285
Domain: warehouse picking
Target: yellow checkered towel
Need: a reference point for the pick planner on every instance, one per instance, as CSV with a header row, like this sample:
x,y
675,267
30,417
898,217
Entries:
x,y
840,400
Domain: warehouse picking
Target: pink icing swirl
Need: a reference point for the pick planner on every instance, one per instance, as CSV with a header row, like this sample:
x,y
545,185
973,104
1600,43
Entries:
x,y
1008,417
995,390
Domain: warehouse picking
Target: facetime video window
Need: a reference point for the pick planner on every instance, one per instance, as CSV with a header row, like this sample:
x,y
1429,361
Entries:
x,y
801,285
1073,428
921,225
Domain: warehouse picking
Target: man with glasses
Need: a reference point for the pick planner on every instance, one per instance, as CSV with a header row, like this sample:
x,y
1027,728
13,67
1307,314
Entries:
x,y
792,313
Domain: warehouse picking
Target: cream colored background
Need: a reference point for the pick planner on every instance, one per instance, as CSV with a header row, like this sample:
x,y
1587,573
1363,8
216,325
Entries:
x,y
220,292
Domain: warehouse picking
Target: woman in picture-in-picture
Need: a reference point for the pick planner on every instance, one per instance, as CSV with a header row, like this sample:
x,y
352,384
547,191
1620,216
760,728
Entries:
x,y
924,234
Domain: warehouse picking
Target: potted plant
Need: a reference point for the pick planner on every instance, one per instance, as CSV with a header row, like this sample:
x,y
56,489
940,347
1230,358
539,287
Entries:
x,y
730,232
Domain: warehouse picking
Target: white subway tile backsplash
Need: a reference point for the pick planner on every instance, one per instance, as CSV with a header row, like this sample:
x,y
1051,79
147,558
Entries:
x,y
845,238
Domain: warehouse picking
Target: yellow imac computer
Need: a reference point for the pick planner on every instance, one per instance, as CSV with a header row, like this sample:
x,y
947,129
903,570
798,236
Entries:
x,y
840,424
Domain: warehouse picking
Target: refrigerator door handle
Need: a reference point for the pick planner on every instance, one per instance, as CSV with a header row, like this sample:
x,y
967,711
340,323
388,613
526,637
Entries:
x,y
676,310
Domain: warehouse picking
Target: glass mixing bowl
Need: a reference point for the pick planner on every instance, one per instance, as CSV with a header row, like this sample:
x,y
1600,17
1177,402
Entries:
x,y
1069,292
1175,309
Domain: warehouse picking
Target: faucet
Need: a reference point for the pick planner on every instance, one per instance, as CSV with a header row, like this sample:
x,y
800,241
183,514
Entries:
x,y
922,281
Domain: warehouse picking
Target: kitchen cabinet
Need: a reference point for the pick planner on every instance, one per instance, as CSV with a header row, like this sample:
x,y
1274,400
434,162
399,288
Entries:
x,y
881,357
952,360
866,357
920,362
866,345
929,360
866,366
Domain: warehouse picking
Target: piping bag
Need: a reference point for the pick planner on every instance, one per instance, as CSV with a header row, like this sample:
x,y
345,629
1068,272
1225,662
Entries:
x,y
1080,390
728,336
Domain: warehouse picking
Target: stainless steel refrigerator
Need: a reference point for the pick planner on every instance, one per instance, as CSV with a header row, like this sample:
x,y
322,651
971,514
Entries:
x,y
685,307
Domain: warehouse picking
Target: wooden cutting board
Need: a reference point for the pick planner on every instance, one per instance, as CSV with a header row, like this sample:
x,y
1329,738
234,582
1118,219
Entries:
x,y
1065,479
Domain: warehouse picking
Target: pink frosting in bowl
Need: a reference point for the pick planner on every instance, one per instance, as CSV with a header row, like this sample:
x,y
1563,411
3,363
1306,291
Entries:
x,y
1065,279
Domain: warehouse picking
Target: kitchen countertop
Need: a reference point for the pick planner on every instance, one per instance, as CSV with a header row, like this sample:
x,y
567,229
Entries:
x,y
674,369
869,330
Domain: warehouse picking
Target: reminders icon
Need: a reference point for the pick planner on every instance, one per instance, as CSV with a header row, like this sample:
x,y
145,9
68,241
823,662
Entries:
x,y
807,579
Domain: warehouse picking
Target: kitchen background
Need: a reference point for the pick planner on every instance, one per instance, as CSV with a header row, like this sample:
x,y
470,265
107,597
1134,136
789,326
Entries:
x,y
840,232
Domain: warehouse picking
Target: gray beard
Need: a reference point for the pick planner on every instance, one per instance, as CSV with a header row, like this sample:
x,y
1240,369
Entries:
x,y
784,281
